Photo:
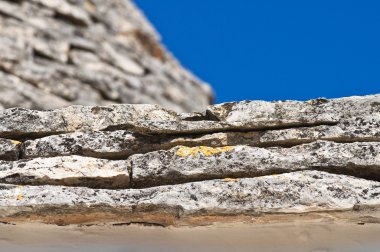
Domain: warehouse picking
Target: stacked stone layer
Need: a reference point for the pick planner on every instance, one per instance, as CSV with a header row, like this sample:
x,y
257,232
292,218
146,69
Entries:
x,y
250,157
56,53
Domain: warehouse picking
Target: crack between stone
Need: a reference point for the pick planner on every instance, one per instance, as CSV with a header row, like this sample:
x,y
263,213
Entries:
x,y
121,156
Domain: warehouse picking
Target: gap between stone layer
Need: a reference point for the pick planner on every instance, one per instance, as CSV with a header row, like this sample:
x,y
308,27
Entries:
x,y
21,136
229,128
115,182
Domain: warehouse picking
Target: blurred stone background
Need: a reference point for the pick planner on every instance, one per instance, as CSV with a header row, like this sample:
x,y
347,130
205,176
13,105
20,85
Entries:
x,y
55,53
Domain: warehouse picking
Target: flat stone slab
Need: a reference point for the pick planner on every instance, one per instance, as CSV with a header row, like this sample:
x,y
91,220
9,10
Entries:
x,y
121,144
20,122
297,192
9,149
69,171
183,164
355,129
288,112
152,119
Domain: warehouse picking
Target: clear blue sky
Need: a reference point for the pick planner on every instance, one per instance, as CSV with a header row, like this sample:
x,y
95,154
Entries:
x,y
274,49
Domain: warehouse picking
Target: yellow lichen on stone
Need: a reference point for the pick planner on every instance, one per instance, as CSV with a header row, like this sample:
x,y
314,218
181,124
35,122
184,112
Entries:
x,y
16,142
89,6
230,180
205,150
310,102
20,197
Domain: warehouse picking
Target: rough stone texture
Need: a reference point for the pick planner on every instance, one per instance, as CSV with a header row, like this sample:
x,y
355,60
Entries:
x,y
183,164
287,193
70,171
292,113
9,149
152,119
55,53
356,129
250,157
121,144
117,144
18,122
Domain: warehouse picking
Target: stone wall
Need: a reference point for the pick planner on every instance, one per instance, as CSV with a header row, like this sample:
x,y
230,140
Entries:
x,y
148,164
56,53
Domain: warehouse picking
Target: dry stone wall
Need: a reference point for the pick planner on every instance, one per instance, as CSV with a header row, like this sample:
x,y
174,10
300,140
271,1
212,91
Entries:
x,y
131,162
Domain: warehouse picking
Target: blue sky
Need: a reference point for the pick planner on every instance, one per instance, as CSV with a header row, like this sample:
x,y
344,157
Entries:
x,y
274,49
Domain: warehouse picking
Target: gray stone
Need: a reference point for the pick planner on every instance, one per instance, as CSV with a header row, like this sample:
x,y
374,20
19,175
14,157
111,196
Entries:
x,y
69,171
250,157
121,144
17,93
298,192
356,129
152,119
43,42
66,10
262,114
123,61
117,144
184,164
9,149
20,123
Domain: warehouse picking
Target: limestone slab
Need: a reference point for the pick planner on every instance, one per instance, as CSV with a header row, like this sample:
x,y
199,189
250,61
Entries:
x,y
70,171
120,144
297,192
152,119
183,164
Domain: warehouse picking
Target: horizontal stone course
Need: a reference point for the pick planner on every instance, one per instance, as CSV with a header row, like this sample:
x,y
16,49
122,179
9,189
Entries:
x,y
121,144
152,119
297,192
183,164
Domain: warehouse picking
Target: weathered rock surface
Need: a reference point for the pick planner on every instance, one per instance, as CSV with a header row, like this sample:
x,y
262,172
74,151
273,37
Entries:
x,y
250,157
152,119
69,171
121,144
287,193
55,53
18,123
293,113
184,164
356,129
117,144
9,149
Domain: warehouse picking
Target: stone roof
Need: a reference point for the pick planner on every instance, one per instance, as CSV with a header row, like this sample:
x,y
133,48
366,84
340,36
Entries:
x,y
56,53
